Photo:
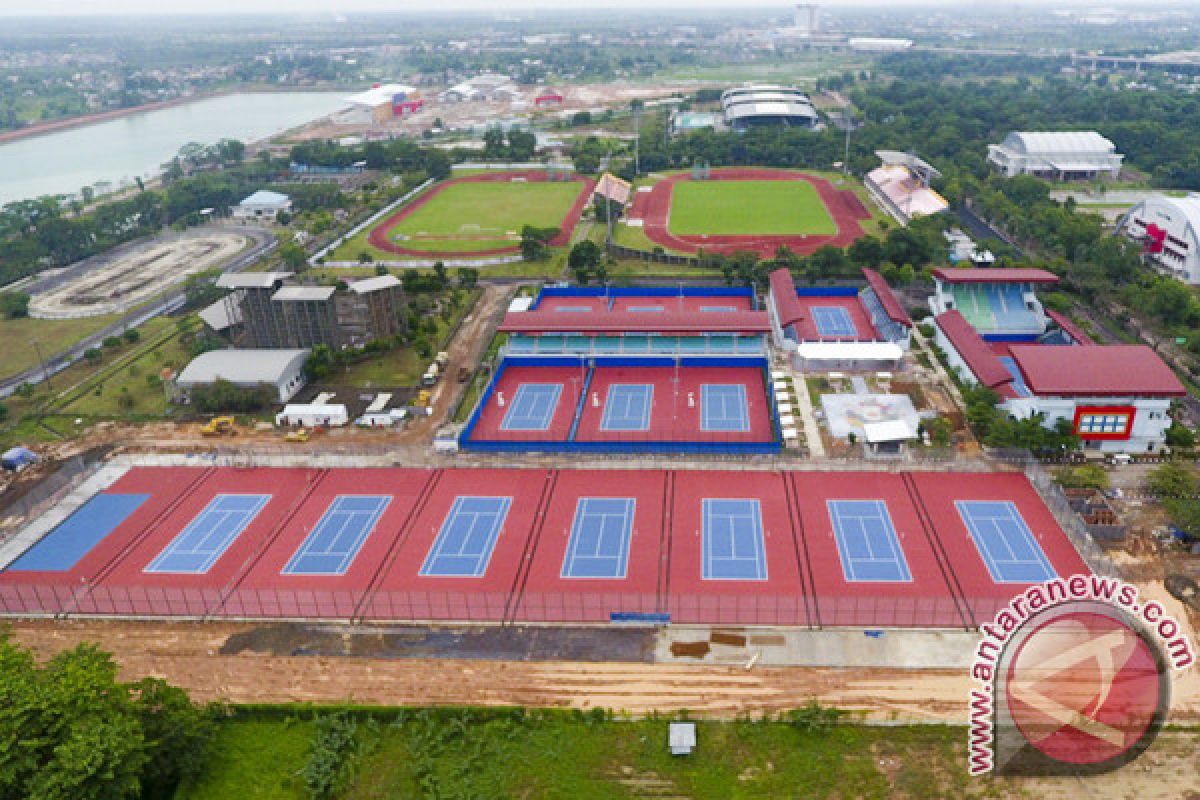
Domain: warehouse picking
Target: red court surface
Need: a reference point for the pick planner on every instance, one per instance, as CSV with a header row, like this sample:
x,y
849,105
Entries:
x,y
571,379
675,413
926,600
938,493
778,600
683,304
378,236
403,593
35,592
266,591
654,208
806,326
546,595
793,575
128,589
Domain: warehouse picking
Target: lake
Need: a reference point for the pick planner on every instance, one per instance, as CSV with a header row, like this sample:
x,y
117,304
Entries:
x,y
138,145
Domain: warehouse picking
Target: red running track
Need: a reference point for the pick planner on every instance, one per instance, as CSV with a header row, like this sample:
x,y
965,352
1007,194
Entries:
x,y
523,580
654,208
378,235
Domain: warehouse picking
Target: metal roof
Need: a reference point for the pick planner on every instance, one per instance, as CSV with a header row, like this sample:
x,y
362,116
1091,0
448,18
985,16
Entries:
x,y
887,298
264,197
300,293
243,367
1122,370
994,275
788,308
984,364
668,322
374,284
745,110
251,280
221,315
1059,142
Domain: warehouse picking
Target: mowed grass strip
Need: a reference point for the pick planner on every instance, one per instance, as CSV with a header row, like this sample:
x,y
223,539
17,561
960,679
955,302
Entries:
x,y
748,208
466,217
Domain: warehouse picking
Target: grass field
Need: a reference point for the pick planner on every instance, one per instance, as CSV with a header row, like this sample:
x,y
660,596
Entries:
x,y
52,335
748,208
449,753
469,217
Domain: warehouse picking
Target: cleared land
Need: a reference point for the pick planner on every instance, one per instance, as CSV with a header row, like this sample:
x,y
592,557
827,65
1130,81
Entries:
x,y
476,216
748,208
130,276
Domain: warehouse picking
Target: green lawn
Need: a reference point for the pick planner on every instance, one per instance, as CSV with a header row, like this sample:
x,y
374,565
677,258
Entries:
x,y
51,335
468,217
747,208
445,753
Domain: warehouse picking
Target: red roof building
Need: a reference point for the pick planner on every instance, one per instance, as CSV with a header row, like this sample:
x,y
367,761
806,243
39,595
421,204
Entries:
x,y
887,298
1123,370
610,322
994,275
974,352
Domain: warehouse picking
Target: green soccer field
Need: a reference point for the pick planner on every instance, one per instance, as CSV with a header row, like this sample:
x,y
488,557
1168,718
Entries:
x,y
748,208
466,217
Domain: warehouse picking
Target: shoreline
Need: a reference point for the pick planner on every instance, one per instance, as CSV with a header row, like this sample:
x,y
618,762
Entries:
x,y
84,120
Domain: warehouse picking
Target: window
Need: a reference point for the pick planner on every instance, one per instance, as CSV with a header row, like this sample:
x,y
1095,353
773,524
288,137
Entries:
x,y
1103,423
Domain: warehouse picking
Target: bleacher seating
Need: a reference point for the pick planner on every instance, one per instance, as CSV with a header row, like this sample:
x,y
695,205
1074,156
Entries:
x,y
889,328
997,308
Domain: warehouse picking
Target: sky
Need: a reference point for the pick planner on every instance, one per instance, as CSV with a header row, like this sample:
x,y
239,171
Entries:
x,y
87,7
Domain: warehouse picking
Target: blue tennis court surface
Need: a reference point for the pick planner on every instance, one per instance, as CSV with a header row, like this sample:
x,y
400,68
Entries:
x,y
208,536
718,308
867,541
464,544
574,309
532,407
627,407
599,545
733,541
723,407
645,309
339,534
1005,543
61,549
833,321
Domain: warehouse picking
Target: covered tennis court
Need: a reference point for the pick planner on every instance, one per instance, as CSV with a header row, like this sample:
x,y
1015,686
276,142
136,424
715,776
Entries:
x,y
209,535
338,536
599,544
867,542
467,537
733,540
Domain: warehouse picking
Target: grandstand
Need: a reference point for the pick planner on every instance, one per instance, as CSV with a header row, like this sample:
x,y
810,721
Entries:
x,y
901,186
630,370
997,302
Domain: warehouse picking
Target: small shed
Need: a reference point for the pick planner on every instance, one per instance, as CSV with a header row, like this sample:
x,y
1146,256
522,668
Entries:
x,y
681,738
312,416
888,437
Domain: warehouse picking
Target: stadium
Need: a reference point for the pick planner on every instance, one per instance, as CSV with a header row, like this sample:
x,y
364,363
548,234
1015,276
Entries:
x,y
482,214
768,106
746,208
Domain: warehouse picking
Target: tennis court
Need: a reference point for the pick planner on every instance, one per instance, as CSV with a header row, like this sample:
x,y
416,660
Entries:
x,y
867,542
62,548
627,407
733,541
646,309
209,535
723,407
833,321
338,535
1007,546
467,537
532,407
599,545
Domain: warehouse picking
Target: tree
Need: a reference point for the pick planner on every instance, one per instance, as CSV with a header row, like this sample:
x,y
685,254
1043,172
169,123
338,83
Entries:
x,y
584,259
14,305
1180,436
1172,480
535,242
468,277
93,355
320,363
132,335
70,730
293,255
3,412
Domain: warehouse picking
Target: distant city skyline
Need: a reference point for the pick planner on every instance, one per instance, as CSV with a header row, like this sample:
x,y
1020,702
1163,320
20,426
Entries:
x,y
210,7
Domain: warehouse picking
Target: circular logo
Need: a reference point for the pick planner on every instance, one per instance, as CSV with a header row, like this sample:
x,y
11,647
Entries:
x,y
1084,687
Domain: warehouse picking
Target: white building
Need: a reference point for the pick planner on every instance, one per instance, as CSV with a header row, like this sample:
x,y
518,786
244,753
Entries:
x,y
378,104
1117,398
246,369
1169,228
1056,155
784,106
263,206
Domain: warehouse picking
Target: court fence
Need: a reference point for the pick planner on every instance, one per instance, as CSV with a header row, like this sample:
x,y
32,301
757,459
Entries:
x,y
801,610
47,493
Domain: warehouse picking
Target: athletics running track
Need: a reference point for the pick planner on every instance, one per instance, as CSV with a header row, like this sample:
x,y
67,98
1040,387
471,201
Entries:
x,y
378,235
862,549
654,208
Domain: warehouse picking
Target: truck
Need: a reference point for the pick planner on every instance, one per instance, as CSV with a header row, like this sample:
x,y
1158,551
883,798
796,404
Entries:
x,y
431,375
